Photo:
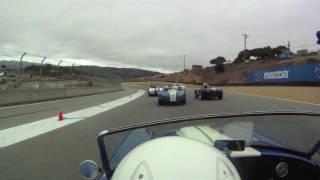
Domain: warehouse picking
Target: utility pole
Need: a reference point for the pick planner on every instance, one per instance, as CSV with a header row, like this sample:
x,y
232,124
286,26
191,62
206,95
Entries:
x,y
58,69
41,66
184,62
245,36
20,64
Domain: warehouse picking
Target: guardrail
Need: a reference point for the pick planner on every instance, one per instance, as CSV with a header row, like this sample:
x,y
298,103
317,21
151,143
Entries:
x,y
23,96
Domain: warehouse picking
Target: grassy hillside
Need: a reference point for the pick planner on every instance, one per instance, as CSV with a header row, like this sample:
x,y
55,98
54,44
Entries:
x,y
104,72
233,74
123,73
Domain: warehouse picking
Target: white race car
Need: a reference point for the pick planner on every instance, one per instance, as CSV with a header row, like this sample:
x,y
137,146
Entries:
x,y
178,86
153,90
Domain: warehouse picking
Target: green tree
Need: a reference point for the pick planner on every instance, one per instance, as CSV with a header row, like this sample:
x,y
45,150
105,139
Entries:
x,y
260,53
278,50
239,59
218,60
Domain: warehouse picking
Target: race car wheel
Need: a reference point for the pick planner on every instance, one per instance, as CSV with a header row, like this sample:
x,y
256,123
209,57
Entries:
x,y
201,97
220,96
196,94
183,102
160,102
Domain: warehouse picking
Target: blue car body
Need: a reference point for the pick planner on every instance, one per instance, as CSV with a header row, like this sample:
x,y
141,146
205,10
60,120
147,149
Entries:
x,y
172,96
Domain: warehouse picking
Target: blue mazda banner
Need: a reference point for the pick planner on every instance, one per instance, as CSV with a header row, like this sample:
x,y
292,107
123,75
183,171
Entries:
x,y
295,73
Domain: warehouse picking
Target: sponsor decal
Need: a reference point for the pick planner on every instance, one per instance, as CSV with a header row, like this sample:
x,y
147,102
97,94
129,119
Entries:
x,y
282,169
276,75
258,76
173,96
295,73
317,71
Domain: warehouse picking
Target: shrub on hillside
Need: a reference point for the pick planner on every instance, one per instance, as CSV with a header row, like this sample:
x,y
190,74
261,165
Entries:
x,y
219,68
312,60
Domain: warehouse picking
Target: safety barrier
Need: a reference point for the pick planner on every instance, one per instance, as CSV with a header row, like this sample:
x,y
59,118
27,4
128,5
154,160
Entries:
x,y
21,96
294,73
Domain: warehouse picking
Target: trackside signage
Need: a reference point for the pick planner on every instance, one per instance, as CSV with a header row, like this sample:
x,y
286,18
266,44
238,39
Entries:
x,y
295,73
276,75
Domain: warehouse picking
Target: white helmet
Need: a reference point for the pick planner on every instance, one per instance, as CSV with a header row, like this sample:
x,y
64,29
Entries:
x,y
175,158
205,85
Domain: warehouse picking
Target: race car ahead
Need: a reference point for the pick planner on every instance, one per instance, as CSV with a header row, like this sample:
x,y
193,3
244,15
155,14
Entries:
x,y
207,92
172,95
153,90
178,85
211,147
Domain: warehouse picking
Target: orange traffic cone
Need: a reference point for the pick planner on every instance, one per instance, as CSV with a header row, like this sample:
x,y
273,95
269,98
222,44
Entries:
x,y
60,116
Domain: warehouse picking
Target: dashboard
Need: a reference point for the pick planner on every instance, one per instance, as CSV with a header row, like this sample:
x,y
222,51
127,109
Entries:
x,y
276,164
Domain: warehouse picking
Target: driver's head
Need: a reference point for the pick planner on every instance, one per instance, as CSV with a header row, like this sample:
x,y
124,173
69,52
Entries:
x,y
175,158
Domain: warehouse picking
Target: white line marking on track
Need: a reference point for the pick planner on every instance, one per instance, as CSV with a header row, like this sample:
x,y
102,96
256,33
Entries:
x,y
282,99
23,132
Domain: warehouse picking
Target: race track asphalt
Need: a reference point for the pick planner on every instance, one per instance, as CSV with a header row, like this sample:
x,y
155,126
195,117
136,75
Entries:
x,y
57,154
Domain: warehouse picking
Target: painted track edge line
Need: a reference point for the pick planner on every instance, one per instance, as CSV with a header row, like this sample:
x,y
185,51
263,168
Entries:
x,y
13,135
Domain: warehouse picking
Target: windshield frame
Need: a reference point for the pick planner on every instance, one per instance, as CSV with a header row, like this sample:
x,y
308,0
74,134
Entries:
x,y
103,134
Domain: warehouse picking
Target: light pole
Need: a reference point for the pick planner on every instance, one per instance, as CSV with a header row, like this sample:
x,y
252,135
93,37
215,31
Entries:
x,y
41,66
20,64
245,36
184,62
58,69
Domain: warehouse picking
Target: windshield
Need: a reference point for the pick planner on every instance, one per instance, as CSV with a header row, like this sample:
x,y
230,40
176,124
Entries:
x,y
282,131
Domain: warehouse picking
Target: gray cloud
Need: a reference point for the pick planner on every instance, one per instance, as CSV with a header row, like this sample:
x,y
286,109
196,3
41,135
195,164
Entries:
x,y
154,33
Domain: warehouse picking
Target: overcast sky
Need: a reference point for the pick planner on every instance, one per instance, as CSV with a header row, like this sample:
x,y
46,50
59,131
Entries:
x,y
152,34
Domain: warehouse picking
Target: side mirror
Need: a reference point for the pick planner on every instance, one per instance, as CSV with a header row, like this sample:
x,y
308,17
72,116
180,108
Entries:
x,y
89,170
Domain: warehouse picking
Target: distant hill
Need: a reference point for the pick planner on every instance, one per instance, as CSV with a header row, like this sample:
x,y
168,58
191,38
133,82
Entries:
x,y
124,73
105,72
15,64
233,73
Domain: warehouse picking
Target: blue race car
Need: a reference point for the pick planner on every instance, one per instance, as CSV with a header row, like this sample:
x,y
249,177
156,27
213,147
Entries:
x,y
172,96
